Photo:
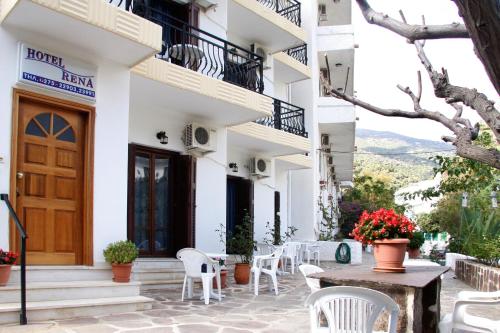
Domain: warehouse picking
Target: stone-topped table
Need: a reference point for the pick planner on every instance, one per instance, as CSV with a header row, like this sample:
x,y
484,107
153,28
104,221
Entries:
x,y
416,291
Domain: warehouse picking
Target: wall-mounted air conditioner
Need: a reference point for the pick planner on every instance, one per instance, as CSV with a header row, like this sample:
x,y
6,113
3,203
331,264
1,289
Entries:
x,y
262,51
325,141
200,138
329,160
260,167
201,3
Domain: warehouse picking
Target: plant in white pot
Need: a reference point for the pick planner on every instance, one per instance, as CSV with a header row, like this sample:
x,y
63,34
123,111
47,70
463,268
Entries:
x,y
121,255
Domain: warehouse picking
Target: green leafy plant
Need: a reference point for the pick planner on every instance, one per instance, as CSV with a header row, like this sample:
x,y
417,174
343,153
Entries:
x,y
328,222
417,241
486,250
241,241
121,252
272,236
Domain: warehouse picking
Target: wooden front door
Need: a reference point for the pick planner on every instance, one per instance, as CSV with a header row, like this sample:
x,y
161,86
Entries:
x,y
49,184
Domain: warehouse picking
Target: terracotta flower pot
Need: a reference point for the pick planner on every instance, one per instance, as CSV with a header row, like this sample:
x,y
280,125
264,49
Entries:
x,y
389,255
413,253
4,274
242,273
121,272
223,280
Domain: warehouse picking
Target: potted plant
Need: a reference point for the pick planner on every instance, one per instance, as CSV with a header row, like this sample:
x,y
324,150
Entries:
x,y
389,233
415,243
242,244
121,255
7,259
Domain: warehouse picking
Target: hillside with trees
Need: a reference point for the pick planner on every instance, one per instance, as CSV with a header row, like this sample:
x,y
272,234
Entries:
x,y
384,155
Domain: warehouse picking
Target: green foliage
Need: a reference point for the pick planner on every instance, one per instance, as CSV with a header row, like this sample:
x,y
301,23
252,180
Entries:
x,y
486,250
427,223
241,241
121,252
273,237
417,241
372,194
462,174
328,223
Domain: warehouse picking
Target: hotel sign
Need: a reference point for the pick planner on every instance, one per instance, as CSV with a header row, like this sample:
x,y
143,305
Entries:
x,y
49,70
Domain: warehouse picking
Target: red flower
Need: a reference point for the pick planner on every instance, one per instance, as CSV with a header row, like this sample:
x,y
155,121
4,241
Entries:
x,y
381,224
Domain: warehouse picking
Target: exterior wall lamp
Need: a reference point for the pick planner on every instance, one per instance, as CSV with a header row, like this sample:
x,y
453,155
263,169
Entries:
x,y
162,136
233,166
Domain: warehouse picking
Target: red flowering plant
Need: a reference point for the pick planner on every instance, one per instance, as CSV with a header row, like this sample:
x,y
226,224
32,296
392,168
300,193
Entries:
x,y
382,224
7,258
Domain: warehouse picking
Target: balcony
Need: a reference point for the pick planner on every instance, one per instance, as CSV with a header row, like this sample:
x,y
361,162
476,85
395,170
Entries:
x,y
274,24
87,29
293,162
286,117
282,133
291,65
289,9
199,74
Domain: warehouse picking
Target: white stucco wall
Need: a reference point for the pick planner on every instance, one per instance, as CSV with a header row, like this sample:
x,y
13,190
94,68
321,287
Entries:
x,y
8,70
110,156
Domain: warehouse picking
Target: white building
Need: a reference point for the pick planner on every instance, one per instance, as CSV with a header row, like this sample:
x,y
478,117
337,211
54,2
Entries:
x,y
221,98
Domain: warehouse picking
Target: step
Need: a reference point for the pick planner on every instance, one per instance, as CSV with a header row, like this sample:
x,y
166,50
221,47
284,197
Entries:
x,y
148,263
57,291
157,274
62,273
50,310
162,284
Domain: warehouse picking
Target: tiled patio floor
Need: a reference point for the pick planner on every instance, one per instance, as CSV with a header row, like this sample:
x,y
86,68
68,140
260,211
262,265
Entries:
x,y
239,312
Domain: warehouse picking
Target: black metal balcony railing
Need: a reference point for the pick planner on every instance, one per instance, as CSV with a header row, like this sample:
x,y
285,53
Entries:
x,y
290,9
286,117
200,51
299,53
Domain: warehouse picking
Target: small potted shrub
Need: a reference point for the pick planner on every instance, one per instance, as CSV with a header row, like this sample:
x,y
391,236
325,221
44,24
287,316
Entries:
x,y
7,259
389,233
415,243
121,255
242,244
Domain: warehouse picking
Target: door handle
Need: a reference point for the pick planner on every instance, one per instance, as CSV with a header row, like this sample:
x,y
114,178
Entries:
x,y
20,175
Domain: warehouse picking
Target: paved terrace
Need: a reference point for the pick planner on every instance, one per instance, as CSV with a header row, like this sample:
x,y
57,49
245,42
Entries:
x,y
239,312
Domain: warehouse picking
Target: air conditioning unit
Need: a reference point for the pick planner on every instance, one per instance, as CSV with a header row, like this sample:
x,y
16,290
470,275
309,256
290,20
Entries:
x,y
325,140
260,167
200,138
261,51
201,3
329,160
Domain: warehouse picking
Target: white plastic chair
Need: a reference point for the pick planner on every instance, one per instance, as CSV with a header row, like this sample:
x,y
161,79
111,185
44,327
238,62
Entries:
x,y
193,261
263,248
460,319
349,309
290,251
306,270
312,251
267,264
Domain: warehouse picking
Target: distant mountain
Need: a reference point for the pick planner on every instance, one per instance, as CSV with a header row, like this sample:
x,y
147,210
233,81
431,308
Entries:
x,y
386,154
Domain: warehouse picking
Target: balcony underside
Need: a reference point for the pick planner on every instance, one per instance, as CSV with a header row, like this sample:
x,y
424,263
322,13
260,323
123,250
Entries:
x,y
293,162
267,141
342,138
94,29
159,84
254,22
288,70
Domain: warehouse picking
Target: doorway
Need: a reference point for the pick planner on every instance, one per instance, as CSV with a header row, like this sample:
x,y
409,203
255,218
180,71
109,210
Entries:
x,y
161,201
51,178
239,201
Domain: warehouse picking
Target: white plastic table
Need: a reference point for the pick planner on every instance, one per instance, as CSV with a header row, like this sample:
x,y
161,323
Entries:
x,y
215,256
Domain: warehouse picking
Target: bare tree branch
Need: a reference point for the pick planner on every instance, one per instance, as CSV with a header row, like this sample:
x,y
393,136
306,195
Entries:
x,y
409,31
463,133
454,94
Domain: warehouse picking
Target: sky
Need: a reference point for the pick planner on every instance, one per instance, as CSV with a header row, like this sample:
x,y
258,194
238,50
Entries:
x,y
385,59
